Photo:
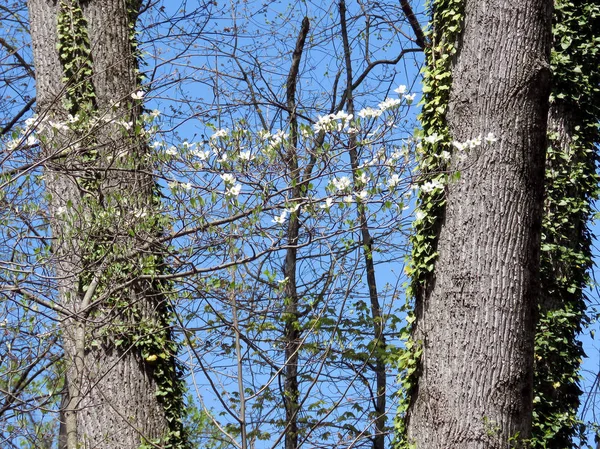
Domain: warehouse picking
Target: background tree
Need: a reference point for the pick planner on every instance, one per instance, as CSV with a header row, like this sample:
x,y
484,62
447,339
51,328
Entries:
x,y
115,317
571,187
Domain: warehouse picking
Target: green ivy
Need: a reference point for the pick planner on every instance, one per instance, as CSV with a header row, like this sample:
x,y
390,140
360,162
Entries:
x,y
109,228
571,188
446,26
76,59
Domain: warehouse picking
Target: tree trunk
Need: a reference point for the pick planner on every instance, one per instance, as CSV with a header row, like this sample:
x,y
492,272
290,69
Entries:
x,y
379,345
565,260
118,350
571,188
475,314
292,334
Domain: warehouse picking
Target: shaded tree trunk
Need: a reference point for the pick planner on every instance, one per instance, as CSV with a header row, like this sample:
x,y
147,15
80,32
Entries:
x,y
571,188
475,312
100,189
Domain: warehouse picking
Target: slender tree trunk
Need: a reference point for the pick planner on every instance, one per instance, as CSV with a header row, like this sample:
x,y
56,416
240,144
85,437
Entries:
x,y
292,331
378,349
99,186
475,313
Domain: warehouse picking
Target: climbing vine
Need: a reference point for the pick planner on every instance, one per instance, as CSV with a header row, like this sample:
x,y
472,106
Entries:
x,y
571,188
113,218
76,59
434,154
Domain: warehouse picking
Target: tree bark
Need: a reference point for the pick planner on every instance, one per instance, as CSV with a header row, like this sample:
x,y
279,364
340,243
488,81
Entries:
x,y
112,400
475,315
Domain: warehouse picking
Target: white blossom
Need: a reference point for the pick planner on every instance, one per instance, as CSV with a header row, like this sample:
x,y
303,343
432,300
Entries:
x,y
234,190
306,132
430,186
138,95
490,138
171,151
59,126
393,181
341,183
369,113
328,203
396,155
474,142
400,90
30,122
323,123
459,146
329,122
389,103
348,199
419,215
292,208
362,196
445,155
433,138
220,133
281,219
202,155
263,134
246,155
228,178
278,137
363,178
410,98
341,115
12,145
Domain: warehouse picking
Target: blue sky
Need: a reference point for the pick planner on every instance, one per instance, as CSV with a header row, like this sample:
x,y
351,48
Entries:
x,y
186,72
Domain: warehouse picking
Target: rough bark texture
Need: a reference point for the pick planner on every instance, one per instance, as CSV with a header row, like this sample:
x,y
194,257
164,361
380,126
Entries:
x,y
475,318
112,401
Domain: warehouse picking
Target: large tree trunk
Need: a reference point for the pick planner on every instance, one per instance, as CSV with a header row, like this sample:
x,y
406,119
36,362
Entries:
x,y
100,200
475,314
